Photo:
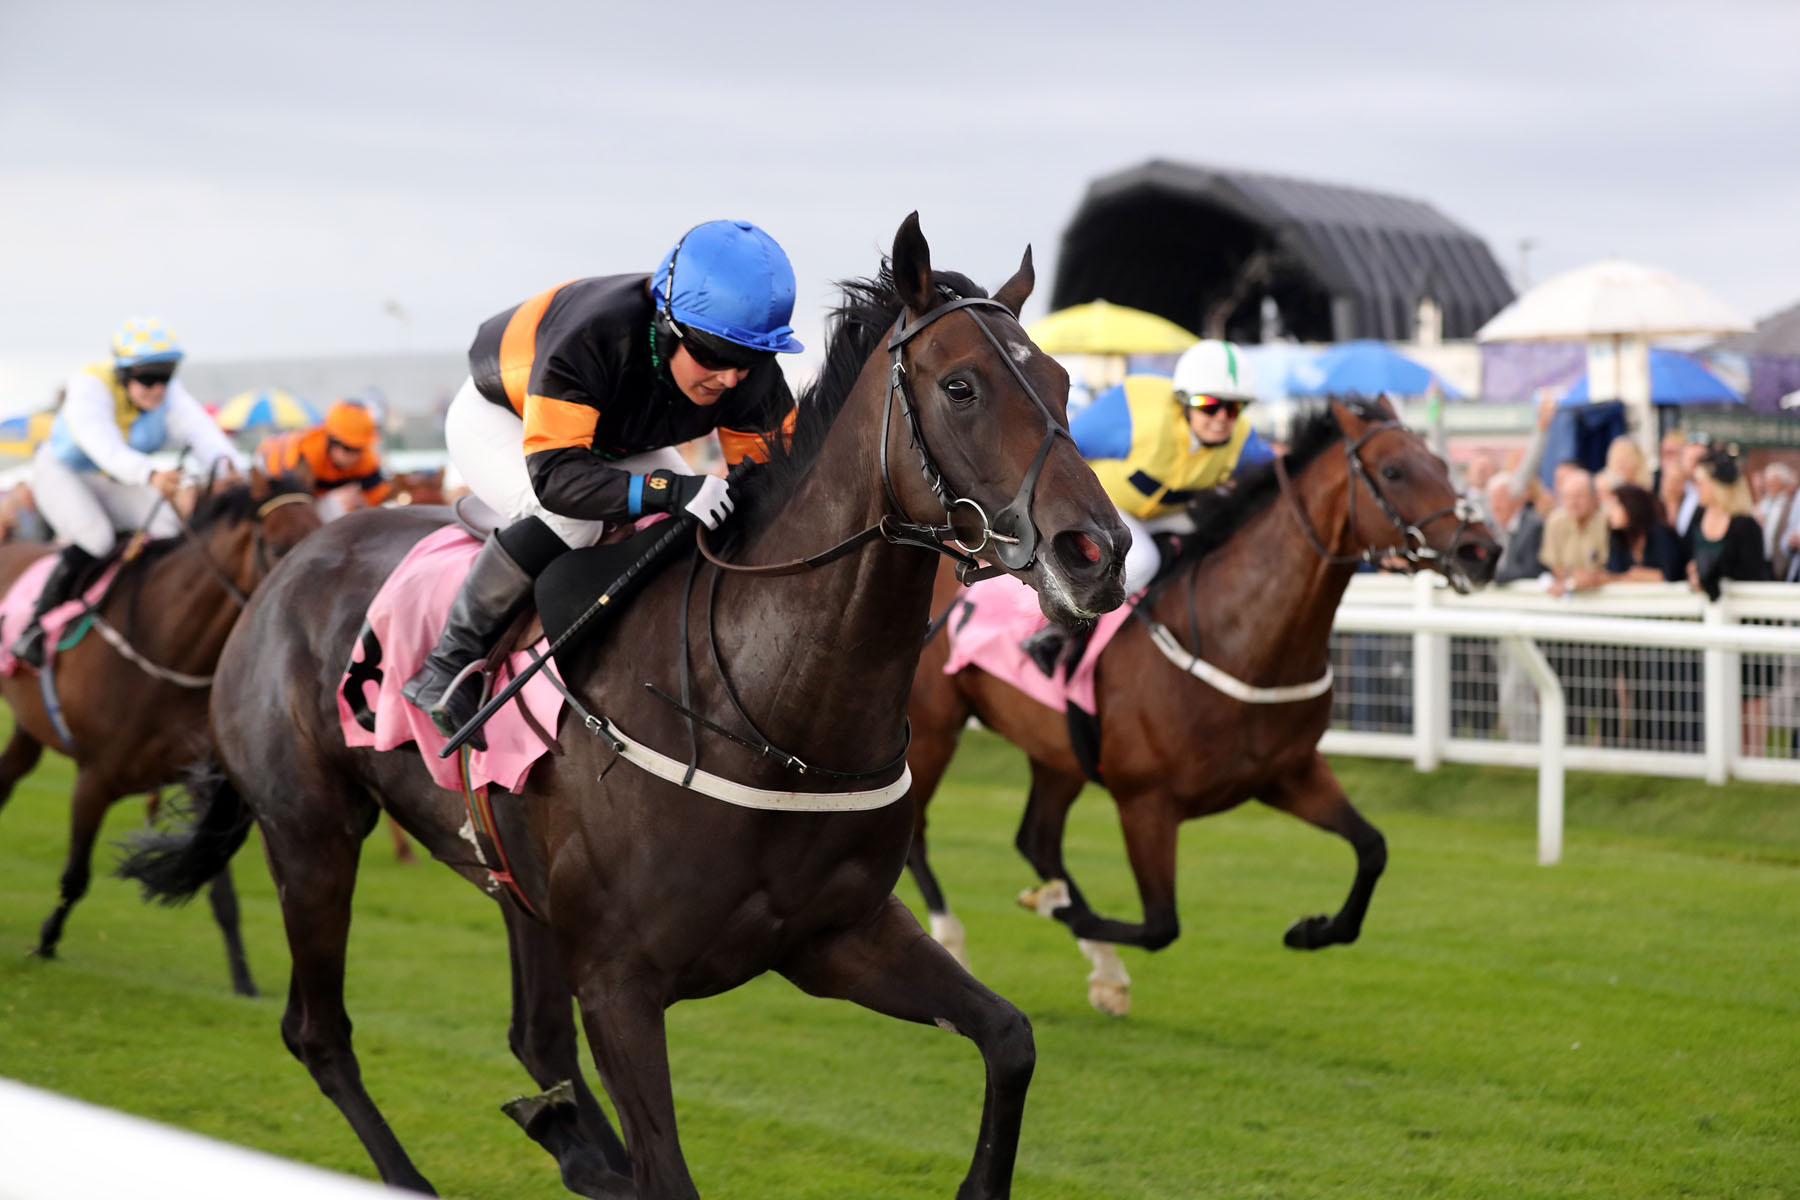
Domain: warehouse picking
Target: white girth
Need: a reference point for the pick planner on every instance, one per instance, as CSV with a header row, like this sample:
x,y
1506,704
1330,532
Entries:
x,y
1231,685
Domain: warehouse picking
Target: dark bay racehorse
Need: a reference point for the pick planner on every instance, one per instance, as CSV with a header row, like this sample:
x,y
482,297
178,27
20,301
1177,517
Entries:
x,y
138,724
1253,593
647,893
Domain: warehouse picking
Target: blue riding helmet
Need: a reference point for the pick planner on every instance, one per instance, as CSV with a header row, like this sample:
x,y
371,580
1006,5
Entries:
x,y
144,340
731,280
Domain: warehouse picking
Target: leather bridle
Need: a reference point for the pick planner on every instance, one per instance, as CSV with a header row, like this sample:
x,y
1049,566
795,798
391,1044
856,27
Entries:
x,y
1413,547
1011,533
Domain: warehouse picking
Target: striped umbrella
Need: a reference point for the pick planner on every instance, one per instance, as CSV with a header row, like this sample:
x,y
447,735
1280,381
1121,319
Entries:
x,y
266,408
19,436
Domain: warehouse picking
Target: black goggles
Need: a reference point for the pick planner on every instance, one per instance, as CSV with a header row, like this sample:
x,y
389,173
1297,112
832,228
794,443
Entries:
x,y
151,376
711,353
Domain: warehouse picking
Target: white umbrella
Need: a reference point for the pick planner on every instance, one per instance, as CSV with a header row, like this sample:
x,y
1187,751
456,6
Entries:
x,y
1613,298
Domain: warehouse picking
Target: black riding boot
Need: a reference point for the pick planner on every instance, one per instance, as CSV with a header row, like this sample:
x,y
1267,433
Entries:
x,y
1044,648
448,686
29,648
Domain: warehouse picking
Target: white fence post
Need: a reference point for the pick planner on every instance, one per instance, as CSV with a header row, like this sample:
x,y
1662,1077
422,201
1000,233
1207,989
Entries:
x,y
1720,686
1431,683
1552,709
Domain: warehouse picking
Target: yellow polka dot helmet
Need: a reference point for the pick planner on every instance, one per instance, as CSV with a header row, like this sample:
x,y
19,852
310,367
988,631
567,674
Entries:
x,y
144,340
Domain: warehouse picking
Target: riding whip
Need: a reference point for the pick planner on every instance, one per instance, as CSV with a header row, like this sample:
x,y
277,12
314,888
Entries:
x,y
679,528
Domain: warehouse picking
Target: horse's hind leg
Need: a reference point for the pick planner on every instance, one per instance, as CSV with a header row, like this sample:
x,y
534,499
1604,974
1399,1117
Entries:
x,y
937,712
889,965
222,895
1314,795
314,867
566,1120
89,801
16,761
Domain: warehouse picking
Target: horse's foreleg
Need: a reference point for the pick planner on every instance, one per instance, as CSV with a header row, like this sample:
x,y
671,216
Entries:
x,y
937,712
315,874
223,897
566,1120
889,965
16,761
1314,795
88,804
1040,840
624,1019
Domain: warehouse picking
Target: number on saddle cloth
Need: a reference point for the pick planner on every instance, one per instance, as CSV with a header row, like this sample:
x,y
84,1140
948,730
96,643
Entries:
x,y
569,586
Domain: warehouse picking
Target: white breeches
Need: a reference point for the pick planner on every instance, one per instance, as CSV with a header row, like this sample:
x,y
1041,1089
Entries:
x,y
1143,560
87,508
487,448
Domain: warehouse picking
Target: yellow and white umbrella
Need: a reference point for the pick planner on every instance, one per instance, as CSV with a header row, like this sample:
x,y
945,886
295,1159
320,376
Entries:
x,y
1102,328
266,408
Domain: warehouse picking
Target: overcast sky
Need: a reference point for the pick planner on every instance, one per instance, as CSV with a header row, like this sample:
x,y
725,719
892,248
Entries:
x,y
367,177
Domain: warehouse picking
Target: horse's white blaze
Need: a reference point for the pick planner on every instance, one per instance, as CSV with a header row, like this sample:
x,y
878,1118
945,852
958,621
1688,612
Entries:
x,y
1020,352
947,932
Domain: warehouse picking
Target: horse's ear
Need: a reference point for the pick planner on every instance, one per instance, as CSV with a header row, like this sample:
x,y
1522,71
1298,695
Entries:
x,y
1386,408
259,484
1015,291
1350,419
912,267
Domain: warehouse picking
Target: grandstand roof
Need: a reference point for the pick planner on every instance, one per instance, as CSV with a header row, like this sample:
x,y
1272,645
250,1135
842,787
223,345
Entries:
x,y
1183,240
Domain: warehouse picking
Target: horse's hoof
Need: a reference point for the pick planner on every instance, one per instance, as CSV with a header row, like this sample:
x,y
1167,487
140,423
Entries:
x,y
1113,999
42,951
246,989
1046,898
1308,933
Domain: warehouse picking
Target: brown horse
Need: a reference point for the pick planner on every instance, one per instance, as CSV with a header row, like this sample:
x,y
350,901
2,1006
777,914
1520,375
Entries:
x,y
138,713
643,892
418,487
1253,594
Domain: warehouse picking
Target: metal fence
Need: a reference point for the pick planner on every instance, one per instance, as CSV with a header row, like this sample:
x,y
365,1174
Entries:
x,y
1647,679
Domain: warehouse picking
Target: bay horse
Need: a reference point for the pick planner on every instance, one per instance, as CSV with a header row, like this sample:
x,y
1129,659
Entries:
x,y
138,714
643,892
1253,593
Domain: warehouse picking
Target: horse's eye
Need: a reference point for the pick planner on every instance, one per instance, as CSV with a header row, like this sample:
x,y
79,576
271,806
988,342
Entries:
x,y
959,391
1391,474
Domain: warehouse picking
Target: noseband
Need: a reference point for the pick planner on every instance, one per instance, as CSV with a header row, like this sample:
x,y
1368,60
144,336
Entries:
x,y
1413,547
1012,531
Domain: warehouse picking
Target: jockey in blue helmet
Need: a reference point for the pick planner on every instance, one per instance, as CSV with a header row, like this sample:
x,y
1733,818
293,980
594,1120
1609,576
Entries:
x,y
575,401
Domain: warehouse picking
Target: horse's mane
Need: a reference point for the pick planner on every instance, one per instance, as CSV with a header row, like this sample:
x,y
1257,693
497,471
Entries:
x,y
855,327
1219,512
223,504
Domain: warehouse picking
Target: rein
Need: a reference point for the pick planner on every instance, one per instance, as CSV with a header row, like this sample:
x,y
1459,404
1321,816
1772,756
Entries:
x,y
1413,547
120,643
1016,548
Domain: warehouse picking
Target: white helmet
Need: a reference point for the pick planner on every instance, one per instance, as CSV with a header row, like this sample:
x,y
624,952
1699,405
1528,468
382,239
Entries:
x,y
1213,368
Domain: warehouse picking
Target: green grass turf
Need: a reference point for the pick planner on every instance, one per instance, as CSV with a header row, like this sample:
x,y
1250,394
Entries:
x,y
1623,1025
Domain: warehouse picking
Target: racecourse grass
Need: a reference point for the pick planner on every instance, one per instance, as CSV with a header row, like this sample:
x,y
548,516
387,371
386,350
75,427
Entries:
x,y
1623,1025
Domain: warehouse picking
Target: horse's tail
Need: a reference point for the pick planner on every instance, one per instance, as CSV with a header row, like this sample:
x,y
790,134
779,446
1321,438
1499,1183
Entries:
x,y
173,865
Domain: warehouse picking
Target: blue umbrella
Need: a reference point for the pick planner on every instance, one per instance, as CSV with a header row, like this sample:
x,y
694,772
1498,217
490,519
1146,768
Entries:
x,y
1365,368
1675,378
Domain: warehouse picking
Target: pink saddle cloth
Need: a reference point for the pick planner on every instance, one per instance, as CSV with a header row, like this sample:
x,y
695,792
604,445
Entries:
x,y
1002,612
21,598
402,626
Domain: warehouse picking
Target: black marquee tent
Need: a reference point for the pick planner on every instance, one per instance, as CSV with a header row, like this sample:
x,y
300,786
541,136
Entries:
x,y
1202,246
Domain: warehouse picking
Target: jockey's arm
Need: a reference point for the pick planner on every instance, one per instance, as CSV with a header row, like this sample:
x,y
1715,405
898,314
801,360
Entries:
x,y
1103,428
1255,453
190,426
568,477
88,407
376,488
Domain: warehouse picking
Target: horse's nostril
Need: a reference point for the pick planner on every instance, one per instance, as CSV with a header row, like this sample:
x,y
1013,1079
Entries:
x,y
1088,548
